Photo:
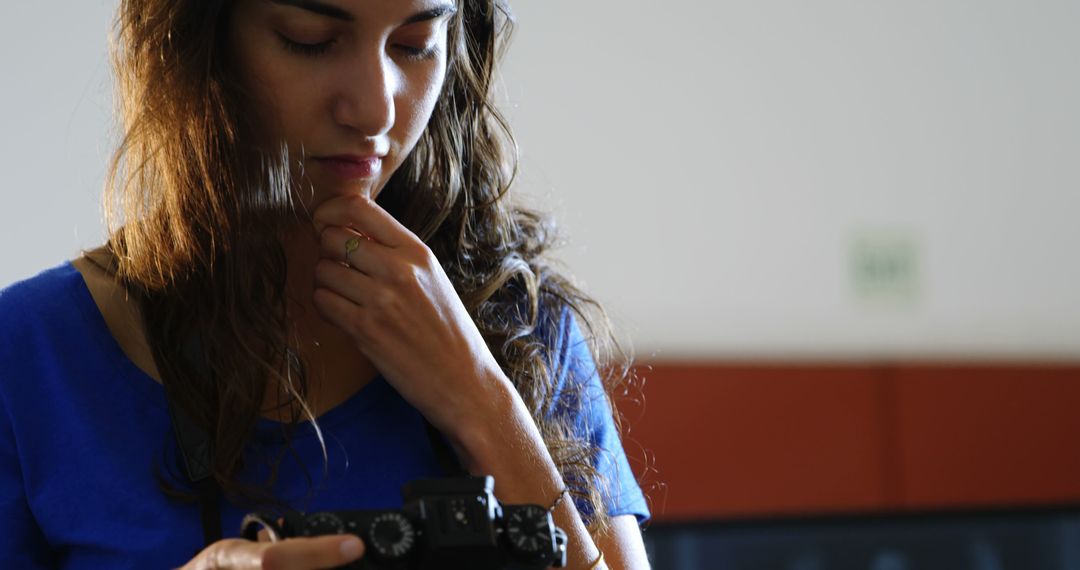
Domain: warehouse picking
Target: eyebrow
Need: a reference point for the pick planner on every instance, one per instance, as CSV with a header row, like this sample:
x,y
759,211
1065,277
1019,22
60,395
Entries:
x,y
329,10
317,7
430,14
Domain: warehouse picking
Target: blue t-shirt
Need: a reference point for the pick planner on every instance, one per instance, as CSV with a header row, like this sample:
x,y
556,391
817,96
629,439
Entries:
x,y
82,427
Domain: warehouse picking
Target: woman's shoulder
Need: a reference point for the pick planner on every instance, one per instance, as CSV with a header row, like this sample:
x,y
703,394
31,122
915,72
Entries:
x,y
70,314
62,305
566,339
577,382
41,318
38,298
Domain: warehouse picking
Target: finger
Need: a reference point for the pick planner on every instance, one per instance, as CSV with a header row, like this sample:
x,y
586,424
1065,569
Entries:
x,y
232,553
339,311
364,215
313,553
367,256
351,284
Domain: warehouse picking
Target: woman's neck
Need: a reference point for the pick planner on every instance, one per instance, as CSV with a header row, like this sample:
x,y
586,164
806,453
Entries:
x,y
336,366
302,254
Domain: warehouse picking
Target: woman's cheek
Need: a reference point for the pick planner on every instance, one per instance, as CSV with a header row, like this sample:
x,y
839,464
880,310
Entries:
x,y
425,100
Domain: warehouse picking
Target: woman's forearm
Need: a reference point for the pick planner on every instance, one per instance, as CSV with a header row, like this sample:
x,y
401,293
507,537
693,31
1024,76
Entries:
x,y
502,440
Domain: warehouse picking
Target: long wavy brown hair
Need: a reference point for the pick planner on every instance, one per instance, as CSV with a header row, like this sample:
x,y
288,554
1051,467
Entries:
x,y
196,215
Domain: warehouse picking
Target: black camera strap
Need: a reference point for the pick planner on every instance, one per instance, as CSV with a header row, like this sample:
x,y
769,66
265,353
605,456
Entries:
x,y
195,453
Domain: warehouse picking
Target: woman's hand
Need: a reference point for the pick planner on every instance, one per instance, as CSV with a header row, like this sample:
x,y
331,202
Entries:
x,y
313,553
393,298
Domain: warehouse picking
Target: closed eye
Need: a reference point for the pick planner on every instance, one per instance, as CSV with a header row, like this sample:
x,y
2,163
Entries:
x,y
418,54
310,50
412,53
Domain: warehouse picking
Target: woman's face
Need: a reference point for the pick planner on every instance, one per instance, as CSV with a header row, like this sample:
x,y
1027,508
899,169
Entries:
x,y
348,85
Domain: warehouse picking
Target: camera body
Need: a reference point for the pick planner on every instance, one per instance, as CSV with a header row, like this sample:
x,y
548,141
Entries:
x,y
443,524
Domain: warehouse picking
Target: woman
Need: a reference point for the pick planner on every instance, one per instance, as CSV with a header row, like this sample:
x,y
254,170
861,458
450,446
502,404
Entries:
x,y
309,205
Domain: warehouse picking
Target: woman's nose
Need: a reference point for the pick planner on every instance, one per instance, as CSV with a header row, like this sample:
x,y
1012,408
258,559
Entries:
x,y
365,97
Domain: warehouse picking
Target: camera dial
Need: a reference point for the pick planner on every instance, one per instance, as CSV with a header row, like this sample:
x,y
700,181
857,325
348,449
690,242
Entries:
x,y
529,529
324,523
392,535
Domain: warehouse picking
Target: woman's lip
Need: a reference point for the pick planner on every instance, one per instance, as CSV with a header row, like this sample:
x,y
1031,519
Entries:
x,y
352,167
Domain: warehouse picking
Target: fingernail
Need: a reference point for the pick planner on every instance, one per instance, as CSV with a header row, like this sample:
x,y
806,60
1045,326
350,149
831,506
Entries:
x,y
352,548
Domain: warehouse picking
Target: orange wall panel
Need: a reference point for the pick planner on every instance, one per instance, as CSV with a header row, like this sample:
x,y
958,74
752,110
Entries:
x,y
982,435
736,441
731,440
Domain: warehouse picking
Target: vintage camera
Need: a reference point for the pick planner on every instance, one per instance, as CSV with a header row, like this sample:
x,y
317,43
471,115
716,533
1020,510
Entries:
x,y
444,523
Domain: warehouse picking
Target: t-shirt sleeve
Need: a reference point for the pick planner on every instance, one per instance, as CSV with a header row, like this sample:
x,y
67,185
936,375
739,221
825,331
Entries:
x,y
580,393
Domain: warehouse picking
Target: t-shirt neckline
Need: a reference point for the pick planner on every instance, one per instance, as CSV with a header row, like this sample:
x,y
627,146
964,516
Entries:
x,y
153,391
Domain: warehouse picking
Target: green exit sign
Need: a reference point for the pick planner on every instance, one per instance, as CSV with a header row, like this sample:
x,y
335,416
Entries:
x,y
885,266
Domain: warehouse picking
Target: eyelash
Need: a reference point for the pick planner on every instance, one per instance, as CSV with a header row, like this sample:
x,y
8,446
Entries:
x,y
310,50
315,50
419,54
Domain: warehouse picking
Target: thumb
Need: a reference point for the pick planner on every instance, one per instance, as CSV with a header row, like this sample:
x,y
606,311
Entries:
x,y
233,553
317,552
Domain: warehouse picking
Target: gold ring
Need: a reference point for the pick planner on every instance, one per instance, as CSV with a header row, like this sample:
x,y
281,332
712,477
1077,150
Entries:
x,y
350,246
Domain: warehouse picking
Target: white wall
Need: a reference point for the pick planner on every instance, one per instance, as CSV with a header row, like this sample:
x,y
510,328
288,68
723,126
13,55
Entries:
x,y
55,130
716,159
715,165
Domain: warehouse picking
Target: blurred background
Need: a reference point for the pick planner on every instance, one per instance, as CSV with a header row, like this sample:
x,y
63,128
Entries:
x,y
839,235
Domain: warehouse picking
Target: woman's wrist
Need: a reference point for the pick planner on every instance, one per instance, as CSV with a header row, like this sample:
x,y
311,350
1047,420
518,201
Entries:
x,y
474,432
502,440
